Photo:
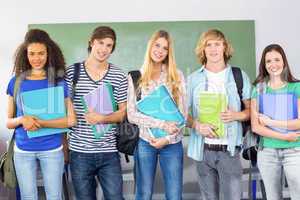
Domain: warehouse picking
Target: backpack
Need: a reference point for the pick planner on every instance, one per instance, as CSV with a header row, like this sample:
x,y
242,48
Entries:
x,y
251,140
128,133
7,168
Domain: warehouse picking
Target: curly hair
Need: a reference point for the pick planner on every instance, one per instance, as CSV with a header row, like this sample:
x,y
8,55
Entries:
x,y
55,65
212,34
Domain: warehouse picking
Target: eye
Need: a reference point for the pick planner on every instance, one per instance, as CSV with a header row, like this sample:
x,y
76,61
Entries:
x,y
42,53
268,61
277,59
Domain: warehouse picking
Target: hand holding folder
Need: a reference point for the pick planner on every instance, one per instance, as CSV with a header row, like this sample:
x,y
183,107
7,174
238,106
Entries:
x,y
100,100
210,107
161,105
281,107
44,104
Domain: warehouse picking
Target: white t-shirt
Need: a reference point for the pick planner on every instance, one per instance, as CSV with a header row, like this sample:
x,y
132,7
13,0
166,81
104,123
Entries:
x,y
216,84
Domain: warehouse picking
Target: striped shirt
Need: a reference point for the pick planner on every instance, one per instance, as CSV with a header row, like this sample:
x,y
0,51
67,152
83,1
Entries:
x,y
81,137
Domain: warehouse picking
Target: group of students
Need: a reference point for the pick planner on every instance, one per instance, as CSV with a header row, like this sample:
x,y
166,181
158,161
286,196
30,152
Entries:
x,y
39,63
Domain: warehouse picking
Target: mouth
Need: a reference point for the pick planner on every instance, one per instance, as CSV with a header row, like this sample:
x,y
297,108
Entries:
x,y
158,56
37,64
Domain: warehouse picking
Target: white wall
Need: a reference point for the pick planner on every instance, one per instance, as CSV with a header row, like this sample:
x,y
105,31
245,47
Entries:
x,y
275,21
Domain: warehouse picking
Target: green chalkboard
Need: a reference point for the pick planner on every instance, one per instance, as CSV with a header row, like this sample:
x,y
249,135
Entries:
x,y
132,40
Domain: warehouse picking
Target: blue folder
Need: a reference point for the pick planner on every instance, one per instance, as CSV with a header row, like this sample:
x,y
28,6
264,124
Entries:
x,y
160,104
46,104
279,107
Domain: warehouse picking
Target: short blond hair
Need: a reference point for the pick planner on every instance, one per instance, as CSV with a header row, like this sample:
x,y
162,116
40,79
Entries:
x,y
212,34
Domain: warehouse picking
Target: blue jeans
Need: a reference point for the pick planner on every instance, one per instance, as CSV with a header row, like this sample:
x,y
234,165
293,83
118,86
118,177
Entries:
x,y
272,163
220,175
52,166
171,163
107,168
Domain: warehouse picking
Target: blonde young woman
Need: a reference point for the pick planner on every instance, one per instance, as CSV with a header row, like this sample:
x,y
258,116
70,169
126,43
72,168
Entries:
x,y
159,68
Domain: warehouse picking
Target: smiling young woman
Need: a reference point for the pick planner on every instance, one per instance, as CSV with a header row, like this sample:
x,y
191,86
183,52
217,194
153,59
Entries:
x,y
159,68
279,152
39,64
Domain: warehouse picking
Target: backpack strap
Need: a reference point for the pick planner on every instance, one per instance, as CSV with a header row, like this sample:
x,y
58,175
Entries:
x,y
75,77
136,75
238,78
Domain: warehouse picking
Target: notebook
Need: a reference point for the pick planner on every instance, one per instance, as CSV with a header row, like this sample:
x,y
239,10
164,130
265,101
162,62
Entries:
x,y
160,104
46,104
210,107
102,101
279,107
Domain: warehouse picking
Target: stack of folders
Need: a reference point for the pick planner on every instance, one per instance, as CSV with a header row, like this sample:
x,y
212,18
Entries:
x,y
210,107
281,107
102,101
45,104
160,104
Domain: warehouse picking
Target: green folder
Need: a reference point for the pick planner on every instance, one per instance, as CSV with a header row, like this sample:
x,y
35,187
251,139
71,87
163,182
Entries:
x,y
210,107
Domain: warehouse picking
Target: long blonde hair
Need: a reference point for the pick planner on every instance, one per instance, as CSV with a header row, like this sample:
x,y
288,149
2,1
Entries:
x,y
173,78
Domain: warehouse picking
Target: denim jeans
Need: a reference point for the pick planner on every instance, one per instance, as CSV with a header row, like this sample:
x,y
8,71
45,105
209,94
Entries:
x,y
272,163
171,163
52,166
107,168
220,175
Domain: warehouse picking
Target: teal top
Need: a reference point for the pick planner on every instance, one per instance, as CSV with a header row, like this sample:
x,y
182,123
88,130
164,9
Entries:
x,y
289,88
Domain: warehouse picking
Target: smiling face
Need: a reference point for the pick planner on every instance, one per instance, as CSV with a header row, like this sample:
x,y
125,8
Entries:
x,y
214,51
159,50
37,55
274,63
101,49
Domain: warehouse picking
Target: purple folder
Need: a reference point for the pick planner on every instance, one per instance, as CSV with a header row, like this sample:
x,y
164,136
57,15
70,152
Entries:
x,y
102,101
279,107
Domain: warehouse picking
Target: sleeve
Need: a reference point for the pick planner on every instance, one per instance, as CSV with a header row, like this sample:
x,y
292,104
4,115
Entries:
x,y
66,89
68,80
11,86
136,117
246,86
183,96
254,93
297,90
121,90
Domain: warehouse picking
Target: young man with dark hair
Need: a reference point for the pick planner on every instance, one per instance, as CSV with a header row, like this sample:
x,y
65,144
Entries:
x,y
90,157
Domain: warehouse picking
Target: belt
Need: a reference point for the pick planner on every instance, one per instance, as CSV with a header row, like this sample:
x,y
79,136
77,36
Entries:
x,y
215,147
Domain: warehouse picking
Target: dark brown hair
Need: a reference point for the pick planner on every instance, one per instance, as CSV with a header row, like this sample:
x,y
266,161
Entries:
x,y
102,32
263,74
55,65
